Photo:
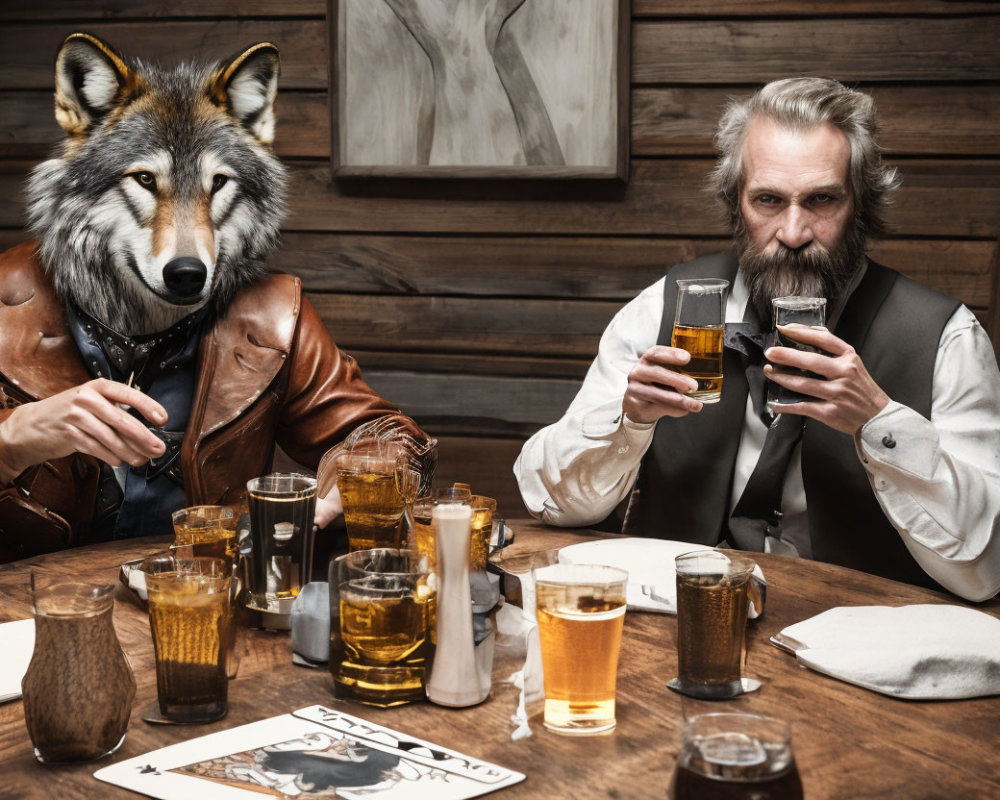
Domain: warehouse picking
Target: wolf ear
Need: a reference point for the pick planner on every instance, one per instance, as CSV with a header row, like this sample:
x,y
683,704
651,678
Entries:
x,y
246,87
91,79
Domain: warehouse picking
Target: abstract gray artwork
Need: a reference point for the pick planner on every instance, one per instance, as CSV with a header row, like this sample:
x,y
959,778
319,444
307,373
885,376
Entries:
x,y
479,83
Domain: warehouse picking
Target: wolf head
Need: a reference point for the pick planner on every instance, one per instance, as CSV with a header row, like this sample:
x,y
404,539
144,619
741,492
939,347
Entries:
x,y
165,195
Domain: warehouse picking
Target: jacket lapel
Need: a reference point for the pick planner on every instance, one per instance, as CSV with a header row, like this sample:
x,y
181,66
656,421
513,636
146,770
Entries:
x,y
37,353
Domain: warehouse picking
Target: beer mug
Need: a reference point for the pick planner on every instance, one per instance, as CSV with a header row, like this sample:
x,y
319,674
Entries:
x,y
282,509
793,310
738,756
713,604
699,324
381,611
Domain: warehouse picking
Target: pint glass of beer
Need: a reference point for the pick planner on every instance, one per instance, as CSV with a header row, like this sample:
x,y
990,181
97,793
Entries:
x,y
190,607
282,509
699,324
581,613
384,609
373,504
712,609
794,310
736,757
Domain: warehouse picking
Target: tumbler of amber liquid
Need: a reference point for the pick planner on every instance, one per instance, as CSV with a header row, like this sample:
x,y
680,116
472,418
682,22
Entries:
x,y
373,505
209,530
699,324
382,605
422,533
581,614
190,609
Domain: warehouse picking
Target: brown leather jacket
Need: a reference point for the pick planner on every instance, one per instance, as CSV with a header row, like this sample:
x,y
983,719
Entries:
x,y
267,373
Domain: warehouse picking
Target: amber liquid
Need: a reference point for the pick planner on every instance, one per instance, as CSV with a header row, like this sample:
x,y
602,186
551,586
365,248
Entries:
x,y
705,366
384,651
208,542
189,636
479,543
373,509
581,638
711,630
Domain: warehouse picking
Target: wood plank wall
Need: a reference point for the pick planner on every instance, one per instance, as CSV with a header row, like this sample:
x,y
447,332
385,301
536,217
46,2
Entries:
x,y
477,307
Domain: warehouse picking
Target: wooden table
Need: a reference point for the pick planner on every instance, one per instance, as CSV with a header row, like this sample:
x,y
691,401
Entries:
x,y
850,743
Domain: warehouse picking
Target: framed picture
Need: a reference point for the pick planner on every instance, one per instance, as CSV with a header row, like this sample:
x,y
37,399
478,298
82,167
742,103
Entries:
x,y
480,88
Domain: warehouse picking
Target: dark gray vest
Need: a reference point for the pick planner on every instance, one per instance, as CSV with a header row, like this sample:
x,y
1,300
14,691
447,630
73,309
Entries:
x,y
685,482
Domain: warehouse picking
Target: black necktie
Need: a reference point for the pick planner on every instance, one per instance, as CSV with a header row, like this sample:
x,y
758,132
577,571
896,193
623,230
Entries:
x,y
759,507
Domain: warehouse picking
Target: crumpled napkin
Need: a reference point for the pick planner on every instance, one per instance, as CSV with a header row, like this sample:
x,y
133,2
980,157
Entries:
x,y
920,652
17,643
652,584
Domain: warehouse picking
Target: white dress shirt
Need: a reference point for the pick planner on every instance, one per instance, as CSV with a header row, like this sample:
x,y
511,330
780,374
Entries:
x,y
939,487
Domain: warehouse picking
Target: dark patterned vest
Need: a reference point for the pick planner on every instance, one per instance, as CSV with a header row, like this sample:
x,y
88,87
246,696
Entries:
x,y
685,482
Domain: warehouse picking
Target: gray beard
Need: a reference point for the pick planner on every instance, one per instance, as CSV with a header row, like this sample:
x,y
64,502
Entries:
x,y
812,271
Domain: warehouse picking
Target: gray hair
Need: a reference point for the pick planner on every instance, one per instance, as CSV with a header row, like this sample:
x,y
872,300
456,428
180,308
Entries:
x,y
801,104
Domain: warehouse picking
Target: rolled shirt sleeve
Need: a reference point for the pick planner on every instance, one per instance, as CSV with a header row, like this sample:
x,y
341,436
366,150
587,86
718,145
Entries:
x,y
575,471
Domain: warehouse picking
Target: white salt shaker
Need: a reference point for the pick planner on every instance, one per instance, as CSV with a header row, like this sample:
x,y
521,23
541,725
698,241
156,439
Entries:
x,y
457,678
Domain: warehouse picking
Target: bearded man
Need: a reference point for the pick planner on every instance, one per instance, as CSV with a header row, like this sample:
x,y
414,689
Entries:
x,y
892,465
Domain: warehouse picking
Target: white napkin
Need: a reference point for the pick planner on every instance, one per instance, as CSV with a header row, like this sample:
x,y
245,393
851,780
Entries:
x,y
920,652
652,579
17,642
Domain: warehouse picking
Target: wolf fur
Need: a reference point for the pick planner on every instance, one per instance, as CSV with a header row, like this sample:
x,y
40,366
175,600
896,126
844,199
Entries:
x,y
161,170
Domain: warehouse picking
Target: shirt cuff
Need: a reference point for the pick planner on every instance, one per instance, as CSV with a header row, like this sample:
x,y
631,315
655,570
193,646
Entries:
x,y
901,439
608,423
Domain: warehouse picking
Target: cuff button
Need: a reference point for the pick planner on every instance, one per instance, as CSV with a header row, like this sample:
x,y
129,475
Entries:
x,y
888,441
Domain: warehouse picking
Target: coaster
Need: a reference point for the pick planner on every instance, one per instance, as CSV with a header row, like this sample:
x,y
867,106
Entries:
x,y
152,715
747,685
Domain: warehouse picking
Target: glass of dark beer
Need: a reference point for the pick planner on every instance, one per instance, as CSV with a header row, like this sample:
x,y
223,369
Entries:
x,y
712,609
736,757
794,310
699,322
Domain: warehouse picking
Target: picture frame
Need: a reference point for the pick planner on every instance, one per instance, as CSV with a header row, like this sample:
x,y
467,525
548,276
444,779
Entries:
x,y
487,89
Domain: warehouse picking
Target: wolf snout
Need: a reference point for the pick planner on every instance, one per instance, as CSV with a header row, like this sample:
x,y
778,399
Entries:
x,y
185,277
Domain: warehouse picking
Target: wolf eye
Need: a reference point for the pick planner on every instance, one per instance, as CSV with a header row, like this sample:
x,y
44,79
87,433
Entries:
x,y
146,180
218,182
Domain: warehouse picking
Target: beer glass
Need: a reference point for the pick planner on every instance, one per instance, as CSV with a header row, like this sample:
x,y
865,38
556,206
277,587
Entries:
x,y
210,530
282,509
699,323
422,534
736,757
190,608
787,311
483,509
382,605
373,505
712,609
581,613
